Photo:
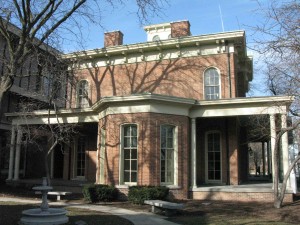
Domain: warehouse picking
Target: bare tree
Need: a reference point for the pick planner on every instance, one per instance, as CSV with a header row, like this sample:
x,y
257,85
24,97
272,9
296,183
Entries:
x,y
279,44
27,25
55,131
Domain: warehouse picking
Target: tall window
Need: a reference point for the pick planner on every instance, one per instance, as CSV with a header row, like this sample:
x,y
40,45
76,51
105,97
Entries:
x,y
129,153
211,84
213,151
82,94
80,158
167,156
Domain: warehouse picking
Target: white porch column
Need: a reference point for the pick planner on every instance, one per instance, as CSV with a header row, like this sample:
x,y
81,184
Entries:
x,y
268,158
18,154
273,137
102,156
263,158
285,147
193,153
11,153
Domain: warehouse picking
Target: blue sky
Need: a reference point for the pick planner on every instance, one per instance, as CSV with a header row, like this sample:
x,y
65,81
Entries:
x,y
203,15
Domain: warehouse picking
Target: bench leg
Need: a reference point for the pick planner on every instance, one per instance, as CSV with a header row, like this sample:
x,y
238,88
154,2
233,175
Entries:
x,y
58,198
156,209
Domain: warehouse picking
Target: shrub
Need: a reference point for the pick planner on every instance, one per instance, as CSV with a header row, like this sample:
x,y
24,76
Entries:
x,y
105,193
138,194
89,192
98,192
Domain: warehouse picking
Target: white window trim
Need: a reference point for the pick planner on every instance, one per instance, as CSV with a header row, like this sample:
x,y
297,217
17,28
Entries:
x,y
121,157
206,157
77,93
175,139
220,84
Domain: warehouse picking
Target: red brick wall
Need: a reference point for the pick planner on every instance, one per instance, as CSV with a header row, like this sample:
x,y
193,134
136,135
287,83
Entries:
x,y
180,29
148,148
182,77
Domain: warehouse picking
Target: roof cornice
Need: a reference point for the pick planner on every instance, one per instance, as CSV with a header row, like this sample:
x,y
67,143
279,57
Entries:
x,y
153,45
145,97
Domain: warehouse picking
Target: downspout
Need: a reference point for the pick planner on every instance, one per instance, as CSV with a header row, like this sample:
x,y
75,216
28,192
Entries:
x,y
228,68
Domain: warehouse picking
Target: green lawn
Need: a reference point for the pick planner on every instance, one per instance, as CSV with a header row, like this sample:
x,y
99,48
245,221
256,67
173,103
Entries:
x,y
11,214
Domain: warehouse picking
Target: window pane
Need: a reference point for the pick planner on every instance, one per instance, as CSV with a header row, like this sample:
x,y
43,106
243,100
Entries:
x,y
127,165
126,153
134,165
211,175
126,176
217,175
134,142
133,177
134,130
170,143
163,154
133,154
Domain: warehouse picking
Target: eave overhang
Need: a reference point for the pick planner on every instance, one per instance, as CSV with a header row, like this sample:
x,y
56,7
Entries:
x,y
154,45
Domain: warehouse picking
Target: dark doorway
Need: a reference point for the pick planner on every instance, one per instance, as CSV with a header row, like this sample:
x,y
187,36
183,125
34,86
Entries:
x,y
58,162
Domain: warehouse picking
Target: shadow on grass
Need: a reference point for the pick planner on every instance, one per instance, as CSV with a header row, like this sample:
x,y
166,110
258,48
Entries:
x,y
11,213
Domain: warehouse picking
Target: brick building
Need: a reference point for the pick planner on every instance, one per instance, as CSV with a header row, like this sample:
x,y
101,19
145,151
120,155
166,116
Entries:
x,y
31,85
170,111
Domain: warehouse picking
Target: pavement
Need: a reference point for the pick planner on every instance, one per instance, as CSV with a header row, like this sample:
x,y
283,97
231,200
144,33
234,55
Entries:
x,y
137,218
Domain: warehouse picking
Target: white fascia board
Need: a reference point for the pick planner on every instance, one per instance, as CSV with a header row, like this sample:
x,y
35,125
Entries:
x,y
236,111
143,97
55,120
51,112
153,45
241,106
150,107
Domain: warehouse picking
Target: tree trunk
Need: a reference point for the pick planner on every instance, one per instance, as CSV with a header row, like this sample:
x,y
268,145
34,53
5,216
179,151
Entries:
x,y
5,84
280,196
47,164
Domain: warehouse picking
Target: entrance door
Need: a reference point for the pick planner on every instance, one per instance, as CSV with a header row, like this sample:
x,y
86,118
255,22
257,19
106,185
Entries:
x,y
80,158
213,157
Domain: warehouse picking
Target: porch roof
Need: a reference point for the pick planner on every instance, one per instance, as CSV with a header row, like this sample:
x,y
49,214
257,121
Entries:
x,y
148,102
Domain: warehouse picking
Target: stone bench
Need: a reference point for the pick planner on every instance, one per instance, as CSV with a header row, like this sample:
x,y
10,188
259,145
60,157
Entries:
x,y
159,206
57,193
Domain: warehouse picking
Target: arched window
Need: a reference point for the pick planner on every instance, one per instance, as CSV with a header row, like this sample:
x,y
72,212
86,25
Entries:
x,y
82,94
211,84
155,38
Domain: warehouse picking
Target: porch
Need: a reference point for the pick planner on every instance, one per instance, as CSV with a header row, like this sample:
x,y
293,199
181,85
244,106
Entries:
x,y
248,192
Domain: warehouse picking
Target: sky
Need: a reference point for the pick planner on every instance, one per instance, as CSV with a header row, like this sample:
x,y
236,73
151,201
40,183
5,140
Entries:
x,y
205,17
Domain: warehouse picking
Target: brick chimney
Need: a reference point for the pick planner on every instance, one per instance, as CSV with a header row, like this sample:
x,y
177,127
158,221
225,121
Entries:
x,y
113,38
180,29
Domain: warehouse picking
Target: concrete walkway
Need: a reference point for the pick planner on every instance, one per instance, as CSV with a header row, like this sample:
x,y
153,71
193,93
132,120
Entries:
x,y
137,218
